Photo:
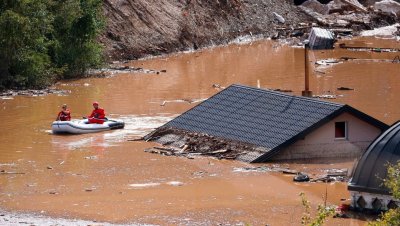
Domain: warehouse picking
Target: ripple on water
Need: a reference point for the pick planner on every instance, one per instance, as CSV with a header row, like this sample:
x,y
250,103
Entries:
x,y
136,125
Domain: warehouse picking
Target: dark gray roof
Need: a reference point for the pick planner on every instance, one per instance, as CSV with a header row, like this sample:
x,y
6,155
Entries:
x,y
269,119
372,166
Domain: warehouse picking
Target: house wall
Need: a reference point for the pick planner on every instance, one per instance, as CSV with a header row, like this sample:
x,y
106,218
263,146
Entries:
x,y
321,143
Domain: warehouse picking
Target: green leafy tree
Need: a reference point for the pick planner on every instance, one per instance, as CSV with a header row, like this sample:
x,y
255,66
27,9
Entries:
x,y
392,216
23,44
45,40
77,25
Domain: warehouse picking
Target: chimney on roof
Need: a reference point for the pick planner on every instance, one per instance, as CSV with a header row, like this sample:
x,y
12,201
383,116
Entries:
x,y
306,92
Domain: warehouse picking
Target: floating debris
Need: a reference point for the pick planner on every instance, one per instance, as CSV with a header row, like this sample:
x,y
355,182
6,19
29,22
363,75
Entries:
x,y
199,174
265,169
320,38
396,59
325,96
145,185
344,88
91,157
6,98
6,172
301,177
8,94
346,58
90,189
283,90
135,139
218,86
175,183
327,62
191,144
369,49
112,70
329,179
190,101
337,172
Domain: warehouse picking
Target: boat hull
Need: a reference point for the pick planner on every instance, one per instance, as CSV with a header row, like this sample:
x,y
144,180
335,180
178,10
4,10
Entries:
x,y
82,126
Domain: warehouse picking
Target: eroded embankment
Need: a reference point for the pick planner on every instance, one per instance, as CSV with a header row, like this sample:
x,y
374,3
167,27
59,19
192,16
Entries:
x,y
142,28
139,28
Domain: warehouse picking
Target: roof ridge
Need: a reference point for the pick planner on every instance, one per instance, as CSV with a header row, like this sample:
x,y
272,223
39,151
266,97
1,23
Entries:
x,y
287,95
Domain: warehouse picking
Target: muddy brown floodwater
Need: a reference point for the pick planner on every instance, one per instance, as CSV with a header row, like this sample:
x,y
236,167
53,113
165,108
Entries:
x,y
103,177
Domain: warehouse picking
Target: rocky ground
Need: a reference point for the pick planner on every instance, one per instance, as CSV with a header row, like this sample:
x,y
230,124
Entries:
x,y
142,28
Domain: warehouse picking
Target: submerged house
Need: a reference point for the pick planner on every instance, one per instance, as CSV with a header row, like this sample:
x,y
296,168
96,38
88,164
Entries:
x,y
281,126
366,186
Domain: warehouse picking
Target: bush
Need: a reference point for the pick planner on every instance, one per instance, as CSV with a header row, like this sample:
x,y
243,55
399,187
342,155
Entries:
x,y
323,212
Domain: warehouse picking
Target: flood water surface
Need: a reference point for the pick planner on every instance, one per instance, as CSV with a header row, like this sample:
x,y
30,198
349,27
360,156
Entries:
x,y
107,178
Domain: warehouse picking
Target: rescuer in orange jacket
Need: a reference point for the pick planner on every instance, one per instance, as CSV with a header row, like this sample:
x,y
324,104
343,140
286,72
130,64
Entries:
x,y
64,114
98,115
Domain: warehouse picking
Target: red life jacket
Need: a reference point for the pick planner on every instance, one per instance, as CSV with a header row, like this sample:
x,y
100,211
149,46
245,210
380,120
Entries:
x,y
98,113
64,115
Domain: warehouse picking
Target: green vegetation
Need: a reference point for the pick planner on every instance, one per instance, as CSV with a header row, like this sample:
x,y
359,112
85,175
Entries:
x,y
323,212
392,216
389,218
45,40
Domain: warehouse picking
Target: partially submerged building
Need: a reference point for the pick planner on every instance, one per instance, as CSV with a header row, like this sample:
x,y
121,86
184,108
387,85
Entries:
x,y
366,186
279,126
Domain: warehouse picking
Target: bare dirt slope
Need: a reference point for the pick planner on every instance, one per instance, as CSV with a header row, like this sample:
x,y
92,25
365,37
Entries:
x,y
136,28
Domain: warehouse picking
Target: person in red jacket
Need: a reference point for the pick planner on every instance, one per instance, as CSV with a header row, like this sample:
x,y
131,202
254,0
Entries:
x,y
64,114
98,115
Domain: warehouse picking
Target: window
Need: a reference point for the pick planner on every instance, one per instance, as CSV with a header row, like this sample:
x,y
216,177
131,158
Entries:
x,y
341,130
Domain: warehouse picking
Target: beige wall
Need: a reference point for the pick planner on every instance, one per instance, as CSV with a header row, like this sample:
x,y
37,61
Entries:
x,y
321,143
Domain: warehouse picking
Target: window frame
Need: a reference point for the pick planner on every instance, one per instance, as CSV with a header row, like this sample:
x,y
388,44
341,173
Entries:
x,y
346,134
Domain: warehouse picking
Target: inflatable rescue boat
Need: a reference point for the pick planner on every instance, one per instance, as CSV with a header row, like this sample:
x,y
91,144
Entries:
x,y
83,126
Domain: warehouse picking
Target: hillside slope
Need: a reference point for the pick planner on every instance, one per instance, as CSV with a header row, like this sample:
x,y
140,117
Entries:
x,y
136,28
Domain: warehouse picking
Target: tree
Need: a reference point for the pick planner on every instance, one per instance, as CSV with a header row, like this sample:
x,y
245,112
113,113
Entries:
x,y
76,27
45,40
23,44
